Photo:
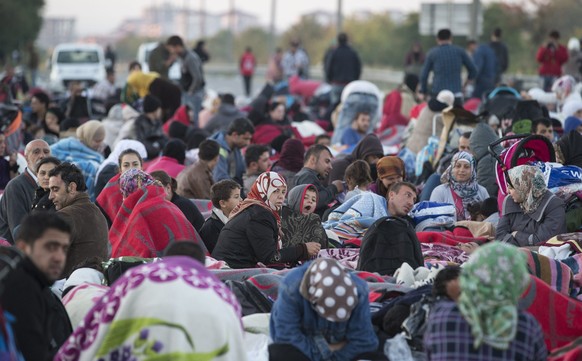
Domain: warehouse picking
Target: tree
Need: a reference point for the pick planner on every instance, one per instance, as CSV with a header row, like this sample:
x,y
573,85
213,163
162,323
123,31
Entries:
x,y
20,22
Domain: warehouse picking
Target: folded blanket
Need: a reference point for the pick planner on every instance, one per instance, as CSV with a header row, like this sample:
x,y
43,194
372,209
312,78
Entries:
x,y
356,215
446,237
573,239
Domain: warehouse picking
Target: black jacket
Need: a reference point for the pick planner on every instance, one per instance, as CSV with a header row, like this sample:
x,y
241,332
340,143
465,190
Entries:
x,y
251,237
191,212
210,231
150,134
42,202
42,324
343,65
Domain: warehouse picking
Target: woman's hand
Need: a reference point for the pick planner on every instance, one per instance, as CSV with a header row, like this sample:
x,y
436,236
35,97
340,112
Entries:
x,y
313,248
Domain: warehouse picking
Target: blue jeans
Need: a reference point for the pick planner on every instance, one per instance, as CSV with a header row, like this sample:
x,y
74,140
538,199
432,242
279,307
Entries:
x,y
194,102
354,104
433,181
548,81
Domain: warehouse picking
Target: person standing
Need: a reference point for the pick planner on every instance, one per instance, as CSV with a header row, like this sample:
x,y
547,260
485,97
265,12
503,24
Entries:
x,y
295,61
247,65
192,80
342,66
446,62
160,60
110,58
551,57
486,64
501,54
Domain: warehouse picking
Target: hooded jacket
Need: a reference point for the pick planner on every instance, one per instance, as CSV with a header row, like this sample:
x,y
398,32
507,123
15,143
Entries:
x,y
298,227
369,145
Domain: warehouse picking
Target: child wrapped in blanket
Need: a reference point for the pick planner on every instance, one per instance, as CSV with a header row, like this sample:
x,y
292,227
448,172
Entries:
x,y
298,221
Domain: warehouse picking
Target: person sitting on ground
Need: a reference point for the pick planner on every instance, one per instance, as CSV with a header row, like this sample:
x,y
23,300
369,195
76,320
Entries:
x,y
8,163
390,170
257,162
485,323
299,223
148,126
187,249
460,187
85,151
531,213
446,284
273,125
316,166
110,168
543,127
195,181
322,313
172,159
51,124
156,304
43,324
225,196
227,112
359,129
186,206
41,200
69,194
231,164
290,160
358,178
147,223
110,198
323,139
252,236
368,149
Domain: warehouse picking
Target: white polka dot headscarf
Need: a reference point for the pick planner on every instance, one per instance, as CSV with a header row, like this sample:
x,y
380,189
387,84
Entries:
x,y
330,290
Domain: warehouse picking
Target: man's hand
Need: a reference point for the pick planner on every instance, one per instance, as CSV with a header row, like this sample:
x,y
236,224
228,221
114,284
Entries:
x,y
339,185
337,346
313,248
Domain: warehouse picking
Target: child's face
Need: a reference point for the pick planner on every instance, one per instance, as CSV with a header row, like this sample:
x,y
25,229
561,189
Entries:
x,y
227,206
309,202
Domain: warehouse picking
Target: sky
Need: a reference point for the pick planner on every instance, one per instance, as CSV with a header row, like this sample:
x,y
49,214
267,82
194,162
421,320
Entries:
x,y
99,17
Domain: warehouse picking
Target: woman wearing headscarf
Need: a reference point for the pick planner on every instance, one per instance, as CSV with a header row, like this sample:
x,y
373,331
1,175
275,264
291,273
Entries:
x,y
290,160
299,222
146,222
110,166
322,312
252,236
390,170
460,187
84,151
138,319
531,213
486,323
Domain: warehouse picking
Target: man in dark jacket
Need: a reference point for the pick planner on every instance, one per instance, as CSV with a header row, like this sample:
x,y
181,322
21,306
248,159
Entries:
x,y
501,54
17,199
148,126
316,167
369,149
226,114
89,231
42,324
342,66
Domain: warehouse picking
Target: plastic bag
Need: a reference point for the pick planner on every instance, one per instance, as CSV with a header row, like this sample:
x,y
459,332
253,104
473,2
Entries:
x,y
396,348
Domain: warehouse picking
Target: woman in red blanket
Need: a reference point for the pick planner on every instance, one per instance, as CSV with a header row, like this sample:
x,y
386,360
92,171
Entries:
x,y
146,222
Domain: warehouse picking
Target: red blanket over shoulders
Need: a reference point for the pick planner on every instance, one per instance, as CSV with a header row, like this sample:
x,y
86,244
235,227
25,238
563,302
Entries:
x,y
110,198
147,223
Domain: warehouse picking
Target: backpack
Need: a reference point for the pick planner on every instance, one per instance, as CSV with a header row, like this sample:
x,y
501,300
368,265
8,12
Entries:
x,y
388,243
251,299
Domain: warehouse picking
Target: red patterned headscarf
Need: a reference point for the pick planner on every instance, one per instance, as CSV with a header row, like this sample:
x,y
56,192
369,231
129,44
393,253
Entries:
x,y
259,195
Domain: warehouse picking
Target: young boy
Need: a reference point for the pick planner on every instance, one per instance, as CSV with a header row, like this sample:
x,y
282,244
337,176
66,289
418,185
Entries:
x,y
225,195
358,130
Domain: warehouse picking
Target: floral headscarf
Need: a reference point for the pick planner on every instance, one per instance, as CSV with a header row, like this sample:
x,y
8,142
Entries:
x,y
467,191
259,195
133,179
529,183
491,283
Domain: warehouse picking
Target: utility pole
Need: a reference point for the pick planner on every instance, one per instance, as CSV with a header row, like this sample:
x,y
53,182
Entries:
x,y
272,27
475,10
202,19
186,14
339,23
231,25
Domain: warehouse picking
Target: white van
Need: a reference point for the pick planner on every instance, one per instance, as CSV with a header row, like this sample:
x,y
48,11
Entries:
x,y
82,62
143,55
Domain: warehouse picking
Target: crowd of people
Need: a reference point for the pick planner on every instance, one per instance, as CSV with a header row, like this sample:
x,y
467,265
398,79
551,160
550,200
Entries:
x,y
316,221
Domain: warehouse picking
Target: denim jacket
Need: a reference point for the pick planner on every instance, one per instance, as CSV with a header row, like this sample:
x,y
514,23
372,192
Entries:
x,y
295,322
